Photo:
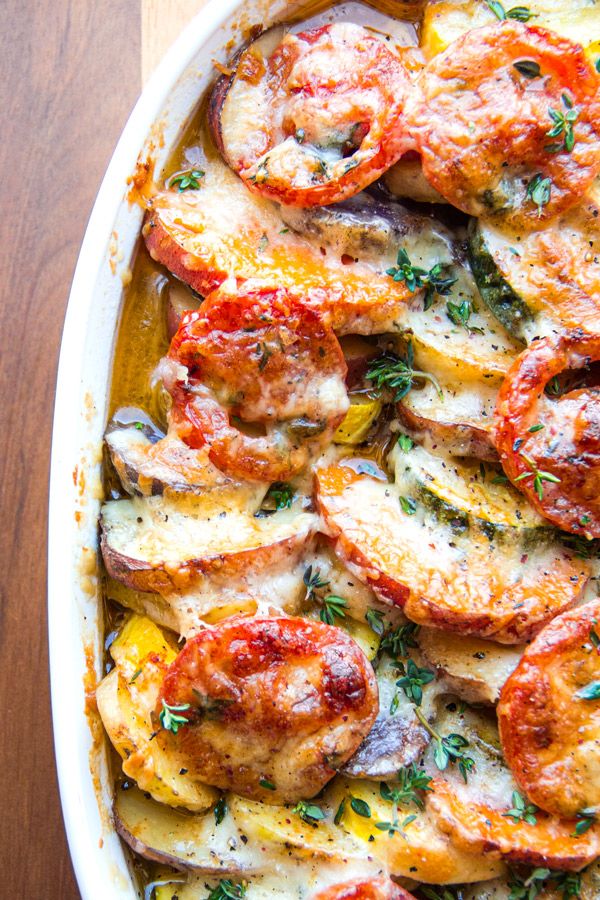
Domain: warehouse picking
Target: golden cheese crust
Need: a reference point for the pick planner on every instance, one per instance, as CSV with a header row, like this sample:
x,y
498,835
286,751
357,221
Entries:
x,y
483,127
549,715
550,446
274,705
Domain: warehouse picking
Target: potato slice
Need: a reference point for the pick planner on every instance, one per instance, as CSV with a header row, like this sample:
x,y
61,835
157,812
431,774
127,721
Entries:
x,y
160,545
584,885
441,579
549,715
178,839
475,813
126,699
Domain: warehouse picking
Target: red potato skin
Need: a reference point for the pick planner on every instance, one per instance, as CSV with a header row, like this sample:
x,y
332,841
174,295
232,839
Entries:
x,y
279,698
549,736
164,579
475,118
261,355
568,446
296,84
373,889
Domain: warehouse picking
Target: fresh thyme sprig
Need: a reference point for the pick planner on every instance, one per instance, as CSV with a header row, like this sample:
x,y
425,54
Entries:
x,y
395,373
313,582
460,313
332,608
539,191
585,819
413,680
530,887
435,280
563,126
374,619
227,890
520,13
186,180
309,812
398,640
170,717
521,811
411,780
448,749
539,476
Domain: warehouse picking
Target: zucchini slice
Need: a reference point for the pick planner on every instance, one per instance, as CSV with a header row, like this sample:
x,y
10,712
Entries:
x,y
536,282
467,495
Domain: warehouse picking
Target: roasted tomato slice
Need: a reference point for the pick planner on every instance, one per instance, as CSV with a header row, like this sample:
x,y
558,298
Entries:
x,y
310,119
507,121
550,446
549,715
364,889
272,706
265,358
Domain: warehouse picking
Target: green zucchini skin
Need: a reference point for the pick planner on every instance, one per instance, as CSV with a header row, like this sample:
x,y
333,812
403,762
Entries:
x,y
509,308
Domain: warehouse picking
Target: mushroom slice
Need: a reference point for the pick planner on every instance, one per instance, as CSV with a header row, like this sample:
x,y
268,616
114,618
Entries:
x,y
148,462
270,706
439,577
549,715
161,544
473,669
315,118
484,814
126,699
177,839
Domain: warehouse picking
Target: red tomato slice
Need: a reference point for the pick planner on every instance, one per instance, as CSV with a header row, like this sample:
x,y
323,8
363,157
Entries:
x,y
557,465
371,889
315,119
264,357
272,706
500,143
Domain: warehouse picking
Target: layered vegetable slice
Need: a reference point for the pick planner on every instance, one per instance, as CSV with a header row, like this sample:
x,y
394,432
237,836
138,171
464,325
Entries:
x,y
543,281
517,144
312,118
484,812
550,445
439,576
126,700
549,715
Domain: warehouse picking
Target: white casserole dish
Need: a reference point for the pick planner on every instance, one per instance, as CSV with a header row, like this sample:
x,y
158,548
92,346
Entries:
x,y
74,610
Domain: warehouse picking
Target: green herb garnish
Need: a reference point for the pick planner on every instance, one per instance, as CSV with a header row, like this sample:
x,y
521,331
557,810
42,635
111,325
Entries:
x,y
313,582
220,810
332,608
374,620
539,190
521,811
460,313
395,373
448,749
408,505
411,780
591,691
397,641
563,126
527,67
227,890
585,819
360,807
520,13
186,180
309,812
405,443
414,678
170,717
539,476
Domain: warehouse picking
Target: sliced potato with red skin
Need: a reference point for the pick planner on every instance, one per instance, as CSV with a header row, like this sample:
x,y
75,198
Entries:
x,y
275,705
266,358
482,829
323,114
438,578
482,127
373,889
566,450
550,732
164,545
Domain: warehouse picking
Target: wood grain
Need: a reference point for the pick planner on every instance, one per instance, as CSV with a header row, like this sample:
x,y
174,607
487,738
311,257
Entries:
x,y
162,22
70,75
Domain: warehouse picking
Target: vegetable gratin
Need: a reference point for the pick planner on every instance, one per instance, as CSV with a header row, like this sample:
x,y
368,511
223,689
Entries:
x,y
352,467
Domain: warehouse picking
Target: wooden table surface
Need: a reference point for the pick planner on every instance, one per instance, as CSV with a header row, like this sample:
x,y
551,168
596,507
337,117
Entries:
x,y
71,73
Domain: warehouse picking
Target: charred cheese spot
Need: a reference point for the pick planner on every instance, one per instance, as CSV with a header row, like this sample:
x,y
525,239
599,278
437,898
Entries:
x,y
272,700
